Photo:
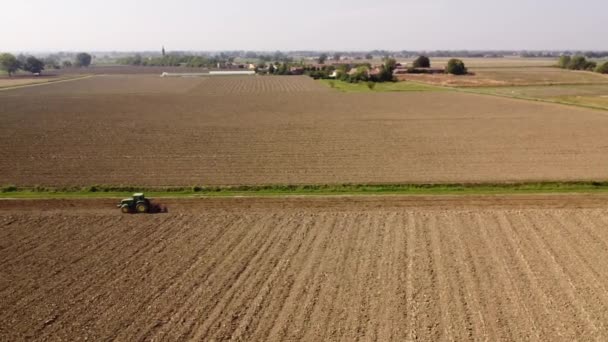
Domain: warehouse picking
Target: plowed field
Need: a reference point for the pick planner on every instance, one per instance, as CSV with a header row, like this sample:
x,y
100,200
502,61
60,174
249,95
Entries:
x,y
389,268
146,131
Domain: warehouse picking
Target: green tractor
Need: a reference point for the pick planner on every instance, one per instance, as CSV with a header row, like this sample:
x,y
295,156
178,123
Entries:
x,y
138,204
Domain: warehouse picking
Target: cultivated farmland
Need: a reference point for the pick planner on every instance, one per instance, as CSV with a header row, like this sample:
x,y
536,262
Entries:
x,y
478,62
385,268
148,131
518,76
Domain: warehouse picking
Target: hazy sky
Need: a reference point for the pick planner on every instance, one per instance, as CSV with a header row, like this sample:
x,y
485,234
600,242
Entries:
x,y
127,25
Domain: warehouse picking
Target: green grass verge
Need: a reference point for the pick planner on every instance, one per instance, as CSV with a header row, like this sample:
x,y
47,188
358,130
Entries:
x,y
379,87
305,190
555,100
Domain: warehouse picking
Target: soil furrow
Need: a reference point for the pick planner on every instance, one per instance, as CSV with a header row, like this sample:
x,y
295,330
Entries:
x,y
307,269
501,283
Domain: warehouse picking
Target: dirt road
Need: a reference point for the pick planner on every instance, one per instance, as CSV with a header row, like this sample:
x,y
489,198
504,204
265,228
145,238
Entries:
x,y
383,268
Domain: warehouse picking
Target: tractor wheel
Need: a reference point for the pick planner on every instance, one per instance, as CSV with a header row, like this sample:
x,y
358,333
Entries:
x,y
141,208
125,209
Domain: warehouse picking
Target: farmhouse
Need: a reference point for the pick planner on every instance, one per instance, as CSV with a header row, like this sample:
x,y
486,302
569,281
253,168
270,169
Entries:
x,y
296,70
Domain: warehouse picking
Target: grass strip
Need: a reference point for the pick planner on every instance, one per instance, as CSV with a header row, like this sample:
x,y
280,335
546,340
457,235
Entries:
x,y
381,87
528,98
97,191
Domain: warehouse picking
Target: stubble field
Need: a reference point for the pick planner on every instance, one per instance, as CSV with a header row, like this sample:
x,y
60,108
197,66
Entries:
x,y
148,131
511,76
385,268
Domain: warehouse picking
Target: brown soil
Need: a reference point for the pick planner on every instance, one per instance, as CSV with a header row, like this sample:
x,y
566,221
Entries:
x,y
145,130
382,268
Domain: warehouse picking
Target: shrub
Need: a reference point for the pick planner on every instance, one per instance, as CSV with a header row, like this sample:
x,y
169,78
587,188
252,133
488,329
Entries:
x,y
564,61
83,59
576,63
422,62
456,67
360,75
591,66
332,84
9,188
602,68
9,63
371,85
386,71
39,188
92,189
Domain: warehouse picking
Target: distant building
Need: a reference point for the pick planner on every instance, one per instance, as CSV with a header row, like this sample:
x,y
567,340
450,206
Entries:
x,y
295,70
235,72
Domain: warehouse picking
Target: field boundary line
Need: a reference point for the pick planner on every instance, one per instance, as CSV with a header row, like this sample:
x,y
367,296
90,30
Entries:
x,y
516,97
14,192
534,99
46,83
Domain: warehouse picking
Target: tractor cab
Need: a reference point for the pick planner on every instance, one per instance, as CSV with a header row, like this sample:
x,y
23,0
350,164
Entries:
x,y
137,204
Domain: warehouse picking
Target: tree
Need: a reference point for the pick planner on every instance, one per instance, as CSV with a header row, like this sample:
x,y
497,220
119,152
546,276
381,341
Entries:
x,y
602,68
322,58
422,62
385,74
137,60
83,59
581,63
361,74
390,64
283,69
271,68
66,64
279,57
163,51
51,63
9,63
564,61
337,56
456,67
21,58
369,56
33,65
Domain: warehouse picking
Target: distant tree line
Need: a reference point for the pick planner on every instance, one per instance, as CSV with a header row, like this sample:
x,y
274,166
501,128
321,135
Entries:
x,y
11,64
581,63
195,61
364,72
202,60
354,73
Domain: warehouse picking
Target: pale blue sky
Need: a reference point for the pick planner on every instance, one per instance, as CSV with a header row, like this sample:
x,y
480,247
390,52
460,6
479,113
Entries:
x,y
128,25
